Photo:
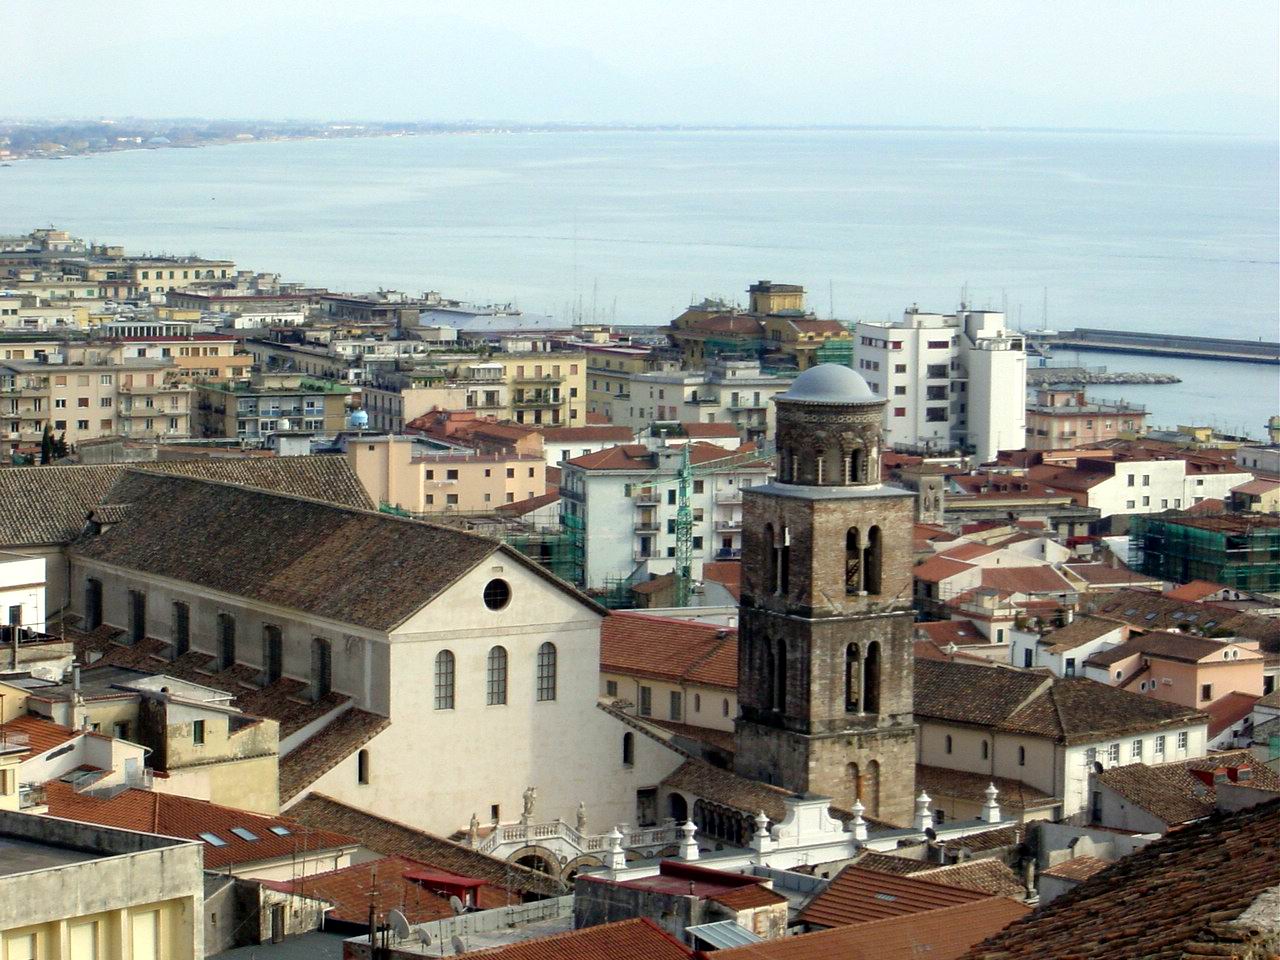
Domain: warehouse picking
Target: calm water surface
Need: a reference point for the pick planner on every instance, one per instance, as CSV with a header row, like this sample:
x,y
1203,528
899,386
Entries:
x,y
1123,231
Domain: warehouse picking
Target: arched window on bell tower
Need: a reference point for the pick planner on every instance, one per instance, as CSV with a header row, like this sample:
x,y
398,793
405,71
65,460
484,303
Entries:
x,y
852,679
852,561
871,679
871,556
819,469
852,772
770,561
870,793
853,464
790,463
784,563
779,675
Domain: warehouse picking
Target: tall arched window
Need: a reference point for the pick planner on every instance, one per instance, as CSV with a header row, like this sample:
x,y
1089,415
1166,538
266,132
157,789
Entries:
x,y
321,667
948,743
852,561
1022,756
871,562
628,749
272,653
854,466
497,677
780,676
854,780
986,750
791,465
444,680
784,563
547,671
852,678
92,604
226,641
871,788
181,628
362,767
770,560
871,679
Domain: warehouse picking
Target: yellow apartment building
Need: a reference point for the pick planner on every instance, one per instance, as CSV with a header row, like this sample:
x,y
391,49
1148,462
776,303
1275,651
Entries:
x,y
268,403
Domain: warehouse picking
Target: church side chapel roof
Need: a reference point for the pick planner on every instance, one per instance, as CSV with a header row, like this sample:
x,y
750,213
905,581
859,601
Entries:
x,y
45,505
1069,710
352,566
324,750
1173,793
669,649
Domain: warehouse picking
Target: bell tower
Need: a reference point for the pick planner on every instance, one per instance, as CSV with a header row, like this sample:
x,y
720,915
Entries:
x,y
825,656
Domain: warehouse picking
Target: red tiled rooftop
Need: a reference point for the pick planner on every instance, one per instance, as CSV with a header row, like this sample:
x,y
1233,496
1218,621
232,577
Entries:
x,y
1195,591
1026,580
588,434
967,551
937,569
958,632
1229,710
697,430
727,573
639,939
41,734
176,816
858,896
669,649
942,934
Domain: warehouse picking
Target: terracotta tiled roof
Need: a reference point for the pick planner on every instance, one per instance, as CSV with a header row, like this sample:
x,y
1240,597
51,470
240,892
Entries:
x,y
857,895
1228,710
529,504
323,751
1256,487
986,875
1195,591
669,649
941,934
1080,631
889,863
1162,644
596,419
748,897
551,436
968,693
1179,897
352,566
1013,794
740,324
639,939
697,430
176,816
1102,575
720,786
1172,793
967,551
1078,869
41,734
722,740
959,632
635,456
1152,611
46,505
925,649
1069,710
1026,580
383,883
939,568
390,837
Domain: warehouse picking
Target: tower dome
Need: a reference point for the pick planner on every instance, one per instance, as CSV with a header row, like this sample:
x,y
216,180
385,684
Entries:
x,y
830,383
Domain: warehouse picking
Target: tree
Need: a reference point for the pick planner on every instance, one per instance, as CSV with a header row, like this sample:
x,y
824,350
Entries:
x,y
46,446
60,446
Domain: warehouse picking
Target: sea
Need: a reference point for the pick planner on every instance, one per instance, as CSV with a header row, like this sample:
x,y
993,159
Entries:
x,y
1174,233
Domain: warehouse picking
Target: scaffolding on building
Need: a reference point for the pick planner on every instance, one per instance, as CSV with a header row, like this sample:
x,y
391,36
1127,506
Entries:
x,y
1241,551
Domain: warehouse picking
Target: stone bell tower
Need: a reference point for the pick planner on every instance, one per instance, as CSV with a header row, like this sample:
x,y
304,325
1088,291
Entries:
x,y
825,657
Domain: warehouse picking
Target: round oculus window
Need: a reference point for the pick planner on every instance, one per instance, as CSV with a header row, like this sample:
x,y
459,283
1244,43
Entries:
x,y
497,594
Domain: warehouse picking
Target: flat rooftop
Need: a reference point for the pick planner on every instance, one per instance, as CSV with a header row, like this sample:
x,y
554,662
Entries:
x,y
18,855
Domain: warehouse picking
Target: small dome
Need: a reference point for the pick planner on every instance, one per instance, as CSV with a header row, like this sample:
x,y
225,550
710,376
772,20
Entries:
x,y
830,383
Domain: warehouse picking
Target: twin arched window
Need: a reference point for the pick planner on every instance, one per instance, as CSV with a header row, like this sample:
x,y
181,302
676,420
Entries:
x,y
862,678
862,561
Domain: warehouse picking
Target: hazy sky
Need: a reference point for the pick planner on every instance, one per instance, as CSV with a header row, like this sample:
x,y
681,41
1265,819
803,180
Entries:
x,y
1099,63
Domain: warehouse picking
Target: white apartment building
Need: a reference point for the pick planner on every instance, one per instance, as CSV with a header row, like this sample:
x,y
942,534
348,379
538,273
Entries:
x,y
952,380
727,391
1138,486
625,501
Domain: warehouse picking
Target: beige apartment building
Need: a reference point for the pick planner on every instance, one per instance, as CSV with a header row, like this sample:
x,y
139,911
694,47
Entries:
x,y
1064,418
160,274
268,403
609,373
195,357
535,387
393,474
142,397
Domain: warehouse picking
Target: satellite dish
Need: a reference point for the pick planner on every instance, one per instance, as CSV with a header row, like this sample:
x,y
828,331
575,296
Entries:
x,y
399,925
424,936
458,945
457,905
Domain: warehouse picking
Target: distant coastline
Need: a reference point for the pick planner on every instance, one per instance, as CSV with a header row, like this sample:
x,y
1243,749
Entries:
x,y
65,139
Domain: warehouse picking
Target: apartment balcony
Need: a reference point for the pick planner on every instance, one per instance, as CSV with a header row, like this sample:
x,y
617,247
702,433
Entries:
x,y
704,401
537,378
647,496
729,524
748,405
729,553
729,497
542,402
639,555
647,525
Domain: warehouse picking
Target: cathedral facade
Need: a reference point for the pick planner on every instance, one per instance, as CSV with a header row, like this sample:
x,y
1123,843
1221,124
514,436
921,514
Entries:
x,y
825,657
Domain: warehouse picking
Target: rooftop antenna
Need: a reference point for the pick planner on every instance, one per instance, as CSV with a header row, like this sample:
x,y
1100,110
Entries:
x,y
831,300
1044,311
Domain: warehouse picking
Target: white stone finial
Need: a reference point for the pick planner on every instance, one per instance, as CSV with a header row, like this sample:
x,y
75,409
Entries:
x,y
924,816
857,824
615,858
688,845
991,809
762,840
762,824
